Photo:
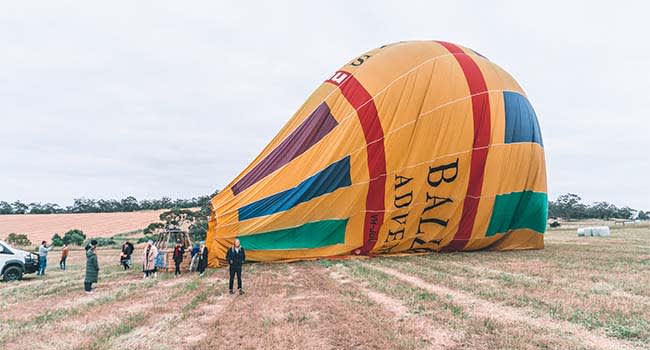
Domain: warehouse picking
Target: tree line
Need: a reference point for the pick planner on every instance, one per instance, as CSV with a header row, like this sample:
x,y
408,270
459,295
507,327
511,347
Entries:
x,y
85,205
196,221
569,206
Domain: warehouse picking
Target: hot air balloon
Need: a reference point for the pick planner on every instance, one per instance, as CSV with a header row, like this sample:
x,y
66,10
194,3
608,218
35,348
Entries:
x,y
418,146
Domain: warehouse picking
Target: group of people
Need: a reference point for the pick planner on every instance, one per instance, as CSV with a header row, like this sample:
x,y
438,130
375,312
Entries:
x,y
92,265
151,260
236,256
43,250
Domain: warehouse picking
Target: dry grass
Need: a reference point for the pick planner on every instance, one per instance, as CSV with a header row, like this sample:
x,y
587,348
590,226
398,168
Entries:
x,y
42,227
578,293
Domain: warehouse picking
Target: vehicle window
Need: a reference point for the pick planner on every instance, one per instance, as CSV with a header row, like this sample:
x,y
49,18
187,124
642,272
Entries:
x,y
4,250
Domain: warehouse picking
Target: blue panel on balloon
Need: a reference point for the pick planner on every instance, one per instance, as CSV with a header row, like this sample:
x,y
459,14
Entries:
x,y
521,120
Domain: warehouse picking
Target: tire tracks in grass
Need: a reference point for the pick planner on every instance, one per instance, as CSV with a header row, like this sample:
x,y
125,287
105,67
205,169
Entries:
x,y
63,322
169,319
483,308
432,335
617,314
48,298
76,268
160,310
299,305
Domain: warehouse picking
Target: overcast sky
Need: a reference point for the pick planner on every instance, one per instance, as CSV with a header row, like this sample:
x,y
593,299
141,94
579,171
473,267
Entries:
x,y
152,99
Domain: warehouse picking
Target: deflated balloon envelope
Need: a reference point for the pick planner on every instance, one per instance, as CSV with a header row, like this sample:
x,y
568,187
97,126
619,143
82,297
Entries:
x,y
411,147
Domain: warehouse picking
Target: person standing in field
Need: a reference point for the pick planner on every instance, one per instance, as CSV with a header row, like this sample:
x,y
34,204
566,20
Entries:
x,y
149,259
125,256
92,266
43,249
236,257
202,259
160,262
179,251
194,255
64,256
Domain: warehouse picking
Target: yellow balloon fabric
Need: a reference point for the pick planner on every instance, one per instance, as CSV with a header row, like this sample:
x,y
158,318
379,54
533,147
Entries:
x,y
412,147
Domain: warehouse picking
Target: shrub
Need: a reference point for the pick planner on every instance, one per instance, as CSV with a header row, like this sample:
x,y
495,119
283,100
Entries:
x,y
75,236
145,239
102,241
57,241
19,239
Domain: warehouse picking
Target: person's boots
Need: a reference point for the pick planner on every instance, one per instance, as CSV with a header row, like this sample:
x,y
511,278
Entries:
x,y
241,291
232,292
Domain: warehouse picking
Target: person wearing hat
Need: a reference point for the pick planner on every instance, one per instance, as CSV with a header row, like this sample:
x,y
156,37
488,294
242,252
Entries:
x,y
149,259
179,251
92,266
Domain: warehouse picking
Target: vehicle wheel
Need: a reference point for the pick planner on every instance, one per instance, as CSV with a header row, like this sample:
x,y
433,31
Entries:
x,y
12,273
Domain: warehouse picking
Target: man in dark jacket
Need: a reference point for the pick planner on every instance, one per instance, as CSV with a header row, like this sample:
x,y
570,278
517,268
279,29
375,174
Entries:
x,y
236,257
125,256
92,266
179,251
203,258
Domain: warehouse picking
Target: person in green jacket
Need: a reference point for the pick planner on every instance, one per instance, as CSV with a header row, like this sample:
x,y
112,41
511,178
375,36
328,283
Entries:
x,y
92,266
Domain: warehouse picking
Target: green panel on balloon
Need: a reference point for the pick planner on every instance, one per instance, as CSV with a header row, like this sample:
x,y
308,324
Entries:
x,y
519,210
311,235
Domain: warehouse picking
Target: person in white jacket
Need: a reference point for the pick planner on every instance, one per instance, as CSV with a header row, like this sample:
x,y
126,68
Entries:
x,y
43,249
149,260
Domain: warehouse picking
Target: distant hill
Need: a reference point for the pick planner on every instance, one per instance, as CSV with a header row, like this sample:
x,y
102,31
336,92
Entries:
x,y
43,226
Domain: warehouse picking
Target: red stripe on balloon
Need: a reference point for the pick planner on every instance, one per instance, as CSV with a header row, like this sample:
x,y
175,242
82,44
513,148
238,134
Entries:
x,y
366,109
482,126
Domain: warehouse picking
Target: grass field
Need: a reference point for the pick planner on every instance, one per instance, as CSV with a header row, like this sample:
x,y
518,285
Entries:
x,y
578,293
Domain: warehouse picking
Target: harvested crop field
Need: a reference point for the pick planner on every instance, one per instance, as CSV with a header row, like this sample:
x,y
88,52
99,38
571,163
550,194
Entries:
x,y
578,293
40,227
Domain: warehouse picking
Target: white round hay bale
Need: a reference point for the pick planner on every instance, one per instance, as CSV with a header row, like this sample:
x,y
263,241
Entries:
x,y
595,231
602,231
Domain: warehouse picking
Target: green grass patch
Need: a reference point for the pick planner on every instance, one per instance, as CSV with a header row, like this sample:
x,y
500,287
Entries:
x,y
325,263
297,318
211,290
628,329
418,301
268,322
124,327
198,299
587,319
